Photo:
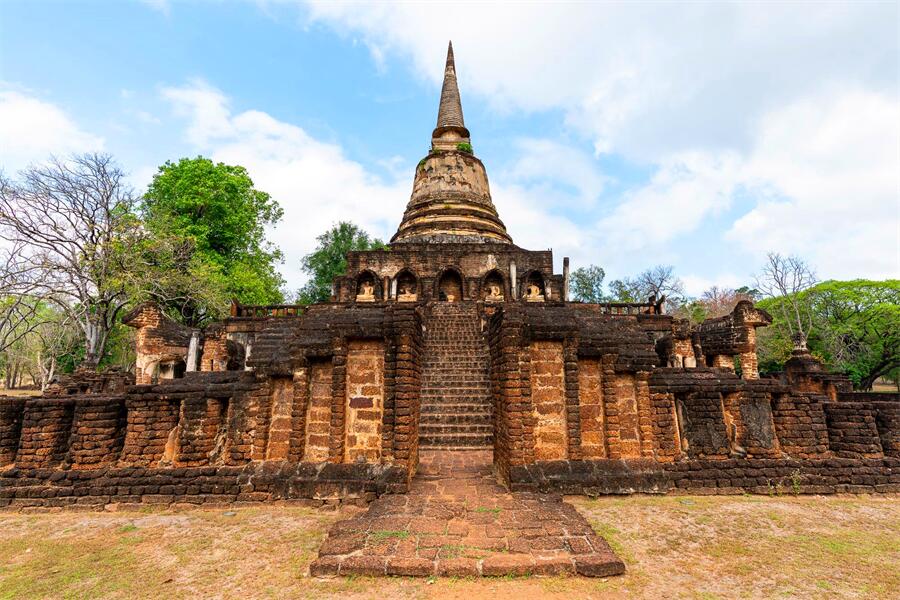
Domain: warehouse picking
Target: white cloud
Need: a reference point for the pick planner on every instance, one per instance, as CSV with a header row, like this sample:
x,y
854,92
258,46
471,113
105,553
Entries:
x,y
686,189
313,181
32,129
786,112
643,79
543,164
836,170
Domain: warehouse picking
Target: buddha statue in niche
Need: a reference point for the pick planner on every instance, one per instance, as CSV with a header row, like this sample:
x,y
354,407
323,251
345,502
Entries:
x,y
366,292
533,293
494,293
407,292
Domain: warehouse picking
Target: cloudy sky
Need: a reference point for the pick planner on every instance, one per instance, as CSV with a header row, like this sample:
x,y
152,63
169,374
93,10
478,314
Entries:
x,y
700,135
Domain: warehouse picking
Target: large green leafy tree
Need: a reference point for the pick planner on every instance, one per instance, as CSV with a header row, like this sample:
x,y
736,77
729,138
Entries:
x,y
329,259
855,328
214,210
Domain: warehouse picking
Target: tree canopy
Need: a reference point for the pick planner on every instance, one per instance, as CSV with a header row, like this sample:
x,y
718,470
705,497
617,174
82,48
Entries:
x,y
855,327
586,284
329,259
216,208
656,281
76,240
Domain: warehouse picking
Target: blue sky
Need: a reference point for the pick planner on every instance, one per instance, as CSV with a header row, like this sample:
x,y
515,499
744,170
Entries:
x,y
624,135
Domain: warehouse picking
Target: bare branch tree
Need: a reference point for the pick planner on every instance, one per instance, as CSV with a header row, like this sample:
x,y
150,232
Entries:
x,y
74,227
785,278
19,300
661,281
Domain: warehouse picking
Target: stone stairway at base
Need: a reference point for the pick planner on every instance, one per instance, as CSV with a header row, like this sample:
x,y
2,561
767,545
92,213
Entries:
x,y
456,388
457,521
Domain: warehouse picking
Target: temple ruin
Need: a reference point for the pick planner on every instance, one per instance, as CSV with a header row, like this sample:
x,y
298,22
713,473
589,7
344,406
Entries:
x,y
453,338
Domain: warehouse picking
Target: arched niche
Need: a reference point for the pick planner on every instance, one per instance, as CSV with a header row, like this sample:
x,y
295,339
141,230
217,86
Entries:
x,y
449,286
493,287
407,286
367,287
533,287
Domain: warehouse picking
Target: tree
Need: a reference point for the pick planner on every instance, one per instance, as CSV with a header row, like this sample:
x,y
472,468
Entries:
x,y
177,279
587,284
718,301
53,338
656,281
218,210
785,278
18,304
329,259
74,224
857,327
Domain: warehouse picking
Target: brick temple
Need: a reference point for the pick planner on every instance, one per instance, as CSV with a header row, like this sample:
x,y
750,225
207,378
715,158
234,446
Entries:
x,y
453,340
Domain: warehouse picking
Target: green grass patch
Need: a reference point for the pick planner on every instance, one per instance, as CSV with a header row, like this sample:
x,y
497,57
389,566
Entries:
x,y
485,509
386,534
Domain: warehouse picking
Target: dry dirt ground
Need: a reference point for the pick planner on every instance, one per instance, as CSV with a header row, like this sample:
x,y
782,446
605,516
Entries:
x,y
674,547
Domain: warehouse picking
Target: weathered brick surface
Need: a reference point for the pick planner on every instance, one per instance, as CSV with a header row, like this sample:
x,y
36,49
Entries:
x,y
548,399
11,412
365,401
457,521
593,415
318,415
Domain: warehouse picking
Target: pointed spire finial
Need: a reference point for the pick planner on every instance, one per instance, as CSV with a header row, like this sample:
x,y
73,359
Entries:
x,y
450,114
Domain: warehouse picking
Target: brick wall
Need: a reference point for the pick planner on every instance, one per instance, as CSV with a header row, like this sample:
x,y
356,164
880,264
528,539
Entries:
x,y
318,415
590,400
549,400
11,413
852,430
365,401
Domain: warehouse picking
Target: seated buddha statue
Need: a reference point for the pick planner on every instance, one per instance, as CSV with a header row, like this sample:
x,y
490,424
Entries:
x,y
533,293
366,292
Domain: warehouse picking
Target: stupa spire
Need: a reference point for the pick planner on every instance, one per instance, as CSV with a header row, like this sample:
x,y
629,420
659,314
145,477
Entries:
x,y
450,113
451,198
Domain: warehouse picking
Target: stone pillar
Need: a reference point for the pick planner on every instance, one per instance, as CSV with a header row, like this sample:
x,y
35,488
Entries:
x,y
590,403
513,280
279,441
548,396
365,401
565,293
318,413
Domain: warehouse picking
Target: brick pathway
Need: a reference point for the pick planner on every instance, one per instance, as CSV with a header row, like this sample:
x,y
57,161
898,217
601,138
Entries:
x,y
457,521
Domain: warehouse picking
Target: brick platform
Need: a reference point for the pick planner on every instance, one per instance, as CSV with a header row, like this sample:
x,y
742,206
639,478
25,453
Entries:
x,y
457,521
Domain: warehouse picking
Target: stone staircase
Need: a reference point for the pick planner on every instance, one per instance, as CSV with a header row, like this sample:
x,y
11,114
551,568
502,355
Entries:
x,y
456,388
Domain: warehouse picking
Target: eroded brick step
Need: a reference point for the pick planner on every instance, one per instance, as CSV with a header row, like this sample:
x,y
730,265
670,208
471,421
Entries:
x,y
465,419
448,428
458,408
439,528
485,440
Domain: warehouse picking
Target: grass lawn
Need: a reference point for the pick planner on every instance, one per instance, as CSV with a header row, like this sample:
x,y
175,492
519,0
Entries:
x,y
674,547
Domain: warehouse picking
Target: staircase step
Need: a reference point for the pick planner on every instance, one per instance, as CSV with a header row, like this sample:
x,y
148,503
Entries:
x,y
457,408
472,440
474,419
456,403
